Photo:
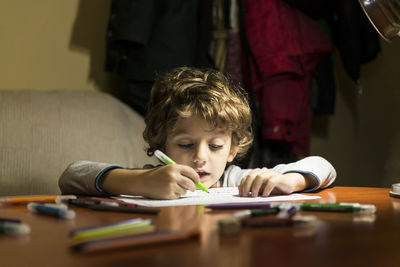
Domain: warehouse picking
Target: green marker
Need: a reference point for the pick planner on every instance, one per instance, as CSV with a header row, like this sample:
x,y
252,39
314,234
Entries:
x,y
165,159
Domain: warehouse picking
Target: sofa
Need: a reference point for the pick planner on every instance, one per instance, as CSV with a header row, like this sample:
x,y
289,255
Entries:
x,y
43,131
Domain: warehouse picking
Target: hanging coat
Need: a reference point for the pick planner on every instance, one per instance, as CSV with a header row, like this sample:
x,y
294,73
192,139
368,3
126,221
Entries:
x,y
285,46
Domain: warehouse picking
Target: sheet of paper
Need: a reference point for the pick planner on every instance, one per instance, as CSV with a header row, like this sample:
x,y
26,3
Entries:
x,y
216,196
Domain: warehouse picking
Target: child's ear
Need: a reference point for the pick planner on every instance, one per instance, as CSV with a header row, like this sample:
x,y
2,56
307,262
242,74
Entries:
x,y
232,153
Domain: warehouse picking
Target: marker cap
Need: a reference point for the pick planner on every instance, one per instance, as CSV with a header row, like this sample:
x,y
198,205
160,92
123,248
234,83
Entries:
x,y
11,228
395,190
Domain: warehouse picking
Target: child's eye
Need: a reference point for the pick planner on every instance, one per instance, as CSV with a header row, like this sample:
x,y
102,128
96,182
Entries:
x,y
215,147
185,146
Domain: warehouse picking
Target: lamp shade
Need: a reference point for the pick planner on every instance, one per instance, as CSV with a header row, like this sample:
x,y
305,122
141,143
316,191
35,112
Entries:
x,y
384,16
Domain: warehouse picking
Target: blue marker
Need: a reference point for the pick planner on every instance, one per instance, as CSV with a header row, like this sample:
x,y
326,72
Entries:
x,y
51,211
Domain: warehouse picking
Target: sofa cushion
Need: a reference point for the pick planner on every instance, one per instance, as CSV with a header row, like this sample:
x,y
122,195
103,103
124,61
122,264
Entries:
x,y
43,131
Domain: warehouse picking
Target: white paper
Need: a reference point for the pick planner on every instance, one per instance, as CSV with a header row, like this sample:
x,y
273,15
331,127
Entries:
x,y
216,196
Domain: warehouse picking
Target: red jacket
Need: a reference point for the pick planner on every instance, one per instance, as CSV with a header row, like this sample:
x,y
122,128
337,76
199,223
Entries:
x,y
286,46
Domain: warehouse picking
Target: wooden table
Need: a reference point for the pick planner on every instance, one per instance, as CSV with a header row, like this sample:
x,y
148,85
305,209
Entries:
x,y
337,239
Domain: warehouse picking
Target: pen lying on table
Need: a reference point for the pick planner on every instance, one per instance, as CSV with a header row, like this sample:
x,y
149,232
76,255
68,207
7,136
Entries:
x,y
126,227
85,203
102,207
60,212
13,227
101,204
10,220
88,201
36,198
337,207
113,200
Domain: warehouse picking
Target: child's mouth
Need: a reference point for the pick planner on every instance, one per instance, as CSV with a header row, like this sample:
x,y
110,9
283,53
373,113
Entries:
x,y
203,175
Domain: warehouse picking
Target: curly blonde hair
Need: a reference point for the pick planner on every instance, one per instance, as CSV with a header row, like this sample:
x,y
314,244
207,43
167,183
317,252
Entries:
x,y
184,92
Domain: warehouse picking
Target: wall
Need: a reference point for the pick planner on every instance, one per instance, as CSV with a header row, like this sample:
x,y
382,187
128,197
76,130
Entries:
x,y
362,139
58,44
53,44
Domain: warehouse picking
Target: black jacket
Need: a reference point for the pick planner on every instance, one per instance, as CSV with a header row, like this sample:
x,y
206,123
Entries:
x,y
146,37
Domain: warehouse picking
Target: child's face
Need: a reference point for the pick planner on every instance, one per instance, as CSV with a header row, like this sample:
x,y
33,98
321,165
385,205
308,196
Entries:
x,y
194,143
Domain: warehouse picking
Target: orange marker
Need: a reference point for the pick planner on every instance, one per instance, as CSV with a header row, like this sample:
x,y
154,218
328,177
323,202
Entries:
x,y
17,200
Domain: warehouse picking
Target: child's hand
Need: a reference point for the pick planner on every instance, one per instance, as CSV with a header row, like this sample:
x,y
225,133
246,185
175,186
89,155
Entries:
x,y
264,182
168,182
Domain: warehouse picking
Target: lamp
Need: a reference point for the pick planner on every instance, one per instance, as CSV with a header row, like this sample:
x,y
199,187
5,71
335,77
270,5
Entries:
x,y
384,16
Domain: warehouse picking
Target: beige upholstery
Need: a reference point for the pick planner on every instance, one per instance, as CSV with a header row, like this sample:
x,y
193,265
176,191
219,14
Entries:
x,y
41,132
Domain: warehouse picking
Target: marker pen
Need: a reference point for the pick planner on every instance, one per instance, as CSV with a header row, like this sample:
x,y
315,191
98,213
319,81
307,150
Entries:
x,y
85,203
13,228
108,230
51,211
158,236
244,205
27,199
111,200
119,223
287,211
166,160
338,207
10,220
128,209
266,221
257,212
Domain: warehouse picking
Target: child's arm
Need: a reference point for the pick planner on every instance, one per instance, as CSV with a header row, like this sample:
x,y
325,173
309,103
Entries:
x,y
81,178
305,175
92,178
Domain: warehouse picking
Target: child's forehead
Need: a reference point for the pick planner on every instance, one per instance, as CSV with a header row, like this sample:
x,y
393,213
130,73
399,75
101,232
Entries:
x,y
196,124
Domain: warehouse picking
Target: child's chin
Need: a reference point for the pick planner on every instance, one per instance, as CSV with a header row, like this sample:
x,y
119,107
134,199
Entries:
x,y
206,182
205,178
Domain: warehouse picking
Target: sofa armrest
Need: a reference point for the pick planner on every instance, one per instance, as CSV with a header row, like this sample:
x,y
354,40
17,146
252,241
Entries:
x,y
43,131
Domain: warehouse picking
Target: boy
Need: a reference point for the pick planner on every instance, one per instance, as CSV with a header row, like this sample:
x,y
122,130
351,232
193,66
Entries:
x,y
203,122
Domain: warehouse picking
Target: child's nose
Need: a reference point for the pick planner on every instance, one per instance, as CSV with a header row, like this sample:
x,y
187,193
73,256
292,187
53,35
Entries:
x,y
200,155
